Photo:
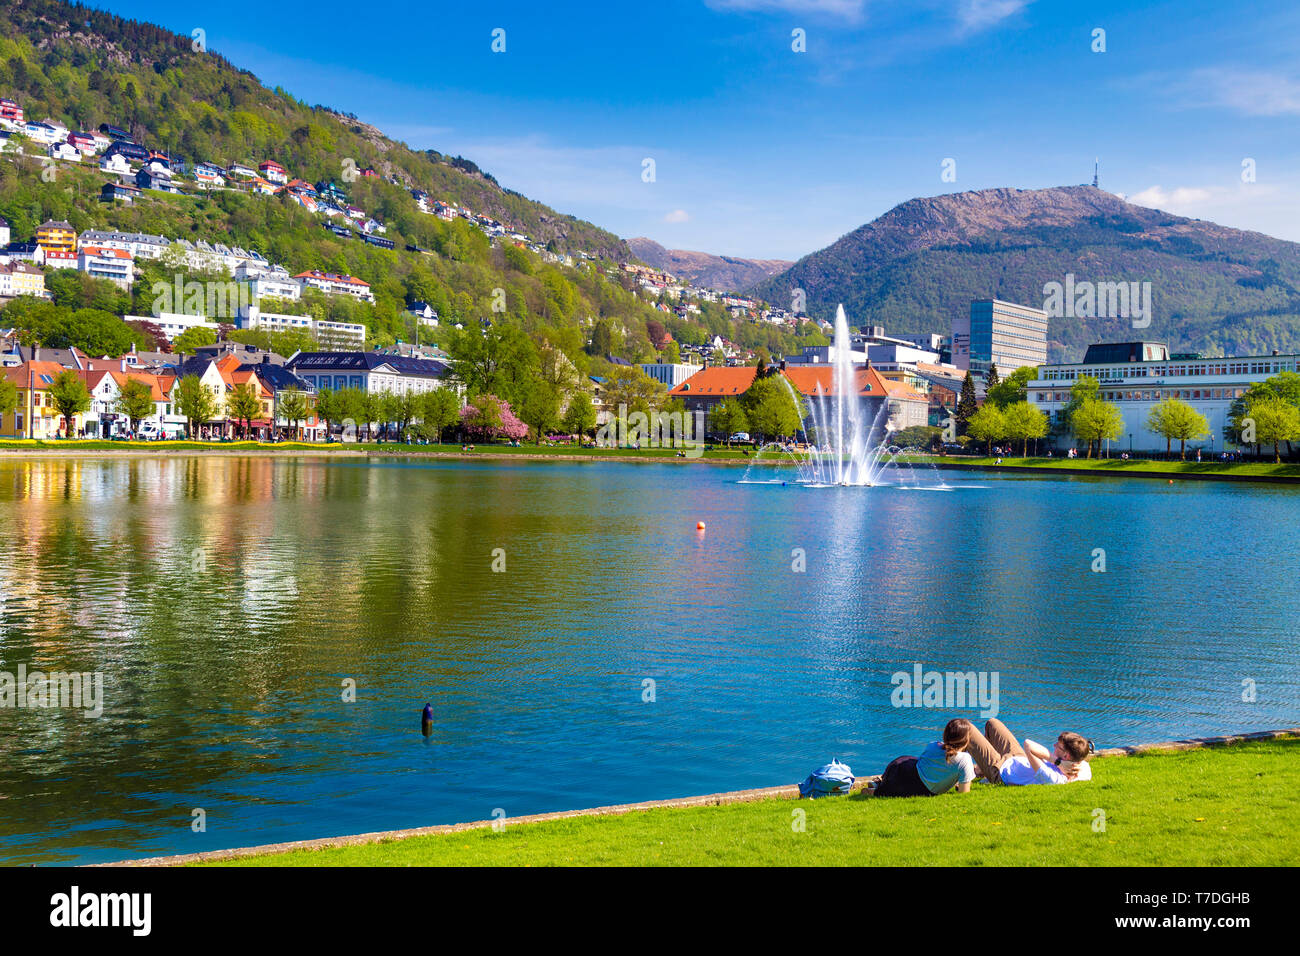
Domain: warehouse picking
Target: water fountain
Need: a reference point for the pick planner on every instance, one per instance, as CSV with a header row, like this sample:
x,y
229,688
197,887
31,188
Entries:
x,y
848,449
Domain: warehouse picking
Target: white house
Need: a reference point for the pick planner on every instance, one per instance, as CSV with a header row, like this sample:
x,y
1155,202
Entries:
x,y
66,152
140,245
273,171
115,165
266,281
115,265
44,133
332,284
173,324
209,176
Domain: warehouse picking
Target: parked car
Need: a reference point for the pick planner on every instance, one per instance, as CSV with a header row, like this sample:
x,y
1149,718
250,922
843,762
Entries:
x,y
740,436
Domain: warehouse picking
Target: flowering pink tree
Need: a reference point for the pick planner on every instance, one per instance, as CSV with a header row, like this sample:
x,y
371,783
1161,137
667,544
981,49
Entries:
x,y
489,417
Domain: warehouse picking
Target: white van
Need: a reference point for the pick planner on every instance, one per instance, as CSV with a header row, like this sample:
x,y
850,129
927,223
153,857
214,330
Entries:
x,y
153,430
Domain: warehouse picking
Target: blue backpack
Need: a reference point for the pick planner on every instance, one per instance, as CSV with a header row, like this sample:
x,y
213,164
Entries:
x,y
834,778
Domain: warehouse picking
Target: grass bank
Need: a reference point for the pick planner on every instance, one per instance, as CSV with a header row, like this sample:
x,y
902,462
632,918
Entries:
x,y
36,447
1133,467
1220,806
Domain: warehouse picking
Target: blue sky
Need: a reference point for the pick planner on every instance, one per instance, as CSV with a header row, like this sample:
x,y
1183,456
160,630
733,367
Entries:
x,y
762,151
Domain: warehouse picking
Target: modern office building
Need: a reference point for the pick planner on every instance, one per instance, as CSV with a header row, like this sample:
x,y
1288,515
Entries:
x,y
671,374
1137,375
999,333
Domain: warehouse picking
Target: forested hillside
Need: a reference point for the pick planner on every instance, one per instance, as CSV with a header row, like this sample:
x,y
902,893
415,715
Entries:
x,y
84,67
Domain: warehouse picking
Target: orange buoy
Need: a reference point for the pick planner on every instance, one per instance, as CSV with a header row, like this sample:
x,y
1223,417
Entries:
x,y
699,526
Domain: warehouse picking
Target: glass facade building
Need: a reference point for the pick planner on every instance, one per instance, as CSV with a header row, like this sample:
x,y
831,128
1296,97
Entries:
x,y
999,333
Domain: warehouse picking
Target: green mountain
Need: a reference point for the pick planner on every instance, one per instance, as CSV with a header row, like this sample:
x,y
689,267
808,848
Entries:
x,y
1214,290
85,67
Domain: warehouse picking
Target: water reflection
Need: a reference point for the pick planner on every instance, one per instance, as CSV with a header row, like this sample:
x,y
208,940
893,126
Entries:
x,y
226,601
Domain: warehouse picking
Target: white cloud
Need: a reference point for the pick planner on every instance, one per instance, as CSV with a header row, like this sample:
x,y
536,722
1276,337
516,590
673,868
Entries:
x,y
844,9
971,15
981,14
677,215
1180,198
1249,92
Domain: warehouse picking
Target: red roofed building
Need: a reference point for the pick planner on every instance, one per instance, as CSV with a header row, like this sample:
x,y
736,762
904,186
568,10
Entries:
x,y
709,386
273,171
332,284
36,415
906,406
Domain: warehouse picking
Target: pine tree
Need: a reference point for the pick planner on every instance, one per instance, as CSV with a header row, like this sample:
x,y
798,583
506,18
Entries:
x,y
966,404
991,378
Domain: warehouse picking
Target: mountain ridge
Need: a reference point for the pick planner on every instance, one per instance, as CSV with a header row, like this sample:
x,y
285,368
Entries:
x,y
725,273
1215,289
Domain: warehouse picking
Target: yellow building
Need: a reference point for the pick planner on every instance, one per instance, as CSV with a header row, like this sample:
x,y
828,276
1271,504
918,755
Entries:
x,y
21,278
58,236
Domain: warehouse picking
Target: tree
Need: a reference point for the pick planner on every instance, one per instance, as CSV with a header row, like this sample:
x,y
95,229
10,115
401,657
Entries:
x,y
1271,421
769,408
1084,388
1012,389
540,407
195,402
135,401
70,397
580,416
329,408
987,424
192,338
491,417
371,408
1024,421
9,397
918,436
244,404
967,404
441,410
500,360
728,418
1174,418
293,407
990,379
627,385
1097,420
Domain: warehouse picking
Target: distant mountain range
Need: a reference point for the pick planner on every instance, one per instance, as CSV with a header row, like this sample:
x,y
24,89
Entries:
x,y
725,273
1214,289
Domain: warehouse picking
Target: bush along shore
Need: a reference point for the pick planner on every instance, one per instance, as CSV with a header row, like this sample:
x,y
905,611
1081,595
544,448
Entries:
x,y
1224,801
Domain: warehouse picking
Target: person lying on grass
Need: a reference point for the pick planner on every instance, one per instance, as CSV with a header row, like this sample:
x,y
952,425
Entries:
x,y
1001,758
942,766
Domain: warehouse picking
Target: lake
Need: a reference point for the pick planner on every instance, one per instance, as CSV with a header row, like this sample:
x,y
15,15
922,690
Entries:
x,y
227,602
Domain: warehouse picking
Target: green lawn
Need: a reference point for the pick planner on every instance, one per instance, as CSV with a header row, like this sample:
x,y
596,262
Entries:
x,y
373,448
154,446
1132,465
1221,806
